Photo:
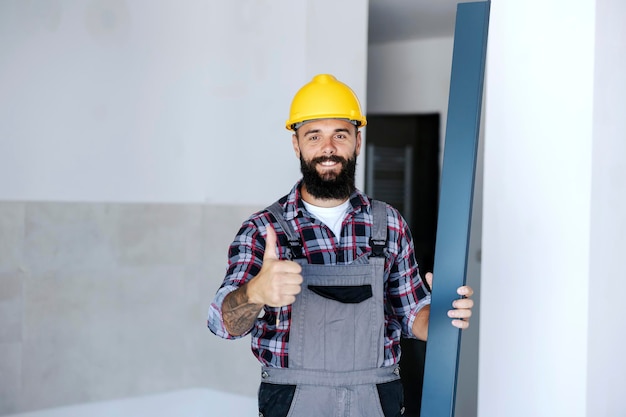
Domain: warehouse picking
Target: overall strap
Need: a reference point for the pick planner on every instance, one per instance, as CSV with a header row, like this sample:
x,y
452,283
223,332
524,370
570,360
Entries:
x,y
295,244
378,241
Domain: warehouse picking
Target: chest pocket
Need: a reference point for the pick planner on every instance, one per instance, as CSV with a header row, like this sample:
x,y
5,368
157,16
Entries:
x,y
351,294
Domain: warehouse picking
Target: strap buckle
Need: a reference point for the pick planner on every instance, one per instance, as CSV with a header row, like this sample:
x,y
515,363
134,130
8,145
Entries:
x,y
295,249
379,247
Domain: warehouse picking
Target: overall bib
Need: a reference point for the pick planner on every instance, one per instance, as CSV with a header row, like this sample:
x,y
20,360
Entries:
x,y
336,340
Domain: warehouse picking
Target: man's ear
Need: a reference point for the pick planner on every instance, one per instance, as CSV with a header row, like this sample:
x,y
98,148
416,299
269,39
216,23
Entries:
x,y
296,145
358,142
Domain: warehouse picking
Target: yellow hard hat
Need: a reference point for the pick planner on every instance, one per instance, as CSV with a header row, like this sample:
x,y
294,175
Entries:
x,y
325,98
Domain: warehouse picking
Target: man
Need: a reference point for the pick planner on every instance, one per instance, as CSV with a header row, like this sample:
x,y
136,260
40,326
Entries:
x,y
325,280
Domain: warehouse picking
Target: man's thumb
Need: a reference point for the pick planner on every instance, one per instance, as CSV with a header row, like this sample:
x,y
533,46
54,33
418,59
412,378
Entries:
x,y
270,243
429,279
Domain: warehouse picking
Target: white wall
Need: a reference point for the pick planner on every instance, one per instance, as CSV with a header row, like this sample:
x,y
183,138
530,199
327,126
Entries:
x,y
554,199
178,107
160,101
410,77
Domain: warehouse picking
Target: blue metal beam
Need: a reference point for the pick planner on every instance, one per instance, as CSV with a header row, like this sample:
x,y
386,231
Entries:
x,y
455,205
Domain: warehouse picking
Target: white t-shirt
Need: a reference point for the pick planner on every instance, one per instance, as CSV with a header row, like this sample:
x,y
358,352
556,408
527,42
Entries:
x,y
330,216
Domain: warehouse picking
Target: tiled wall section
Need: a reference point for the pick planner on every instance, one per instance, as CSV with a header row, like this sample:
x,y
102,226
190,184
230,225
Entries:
x,y
102,301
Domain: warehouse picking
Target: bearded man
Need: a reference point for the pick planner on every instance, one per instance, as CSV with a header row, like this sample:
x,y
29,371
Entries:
x,y
325,280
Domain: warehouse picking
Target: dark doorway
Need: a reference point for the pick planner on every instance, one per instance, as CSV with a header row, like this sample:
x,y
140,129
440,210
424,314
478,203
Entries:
x,y
402,168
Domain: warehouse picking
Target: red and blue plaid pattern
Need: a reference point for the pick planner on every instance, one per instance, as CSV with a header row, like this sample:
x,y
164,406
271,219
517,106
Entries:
x,y
405,293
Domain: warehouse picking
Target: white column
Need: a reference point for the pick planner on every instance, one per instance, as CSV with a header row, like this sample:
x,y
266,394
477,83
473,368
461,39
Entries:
x,y
606,381
537,209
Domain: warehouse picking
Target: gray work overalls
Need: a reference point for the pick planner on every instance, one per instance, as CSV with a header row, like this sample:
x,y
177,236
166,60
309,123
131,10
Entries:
x,y
336,339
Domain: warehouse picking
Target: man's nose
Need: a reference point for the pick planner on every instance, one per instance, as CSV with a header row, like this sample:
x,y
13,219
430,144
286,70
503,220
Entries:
x,y
328,146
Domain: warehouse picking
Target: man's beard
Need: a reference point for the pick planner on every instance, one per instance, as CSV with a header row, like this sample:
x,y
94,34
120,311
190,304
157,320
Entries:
x,y
329,186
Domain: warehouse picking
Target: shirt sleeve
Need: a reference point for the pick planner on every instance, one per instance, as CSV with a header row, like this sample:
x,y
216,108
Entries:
x,y
407,293
245,258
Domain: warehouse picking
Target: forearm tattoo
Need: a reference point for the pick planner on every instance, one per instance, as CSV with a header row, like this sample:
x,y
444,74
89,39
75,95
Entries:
x,y
238,313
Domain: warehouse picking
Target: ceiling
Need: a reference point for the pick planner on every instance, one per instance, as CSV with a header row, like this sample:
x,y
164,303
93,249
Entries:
x,y
398,20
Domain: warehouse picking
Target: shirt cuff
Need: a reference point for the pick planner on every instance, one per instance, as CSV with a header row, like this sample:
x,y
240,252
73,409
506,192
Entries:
x,y
215,320
413,314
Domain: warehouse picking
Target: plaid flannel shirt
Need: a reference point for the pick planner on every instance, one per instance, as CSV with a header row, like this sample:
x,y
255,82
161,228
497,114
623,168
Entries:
x,y
405,293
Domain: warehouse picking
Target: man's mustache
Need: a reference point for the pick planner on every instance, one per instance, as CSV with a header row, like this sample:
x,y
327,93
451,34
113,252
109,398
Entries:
x,y
329,158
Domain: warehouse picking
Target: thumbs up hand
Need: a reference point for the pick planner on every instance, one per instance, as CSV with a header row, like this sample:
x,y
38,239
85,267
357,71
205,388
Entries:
x,y
278,282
